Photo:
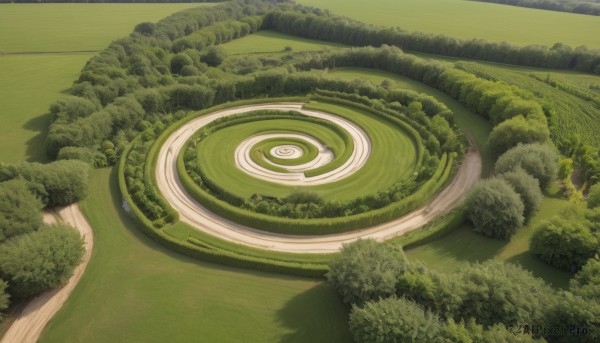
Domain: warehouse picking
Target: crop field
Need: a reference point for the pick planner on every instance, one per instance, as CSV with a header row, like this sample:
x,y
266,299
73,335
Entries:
x,y
469,19
137,290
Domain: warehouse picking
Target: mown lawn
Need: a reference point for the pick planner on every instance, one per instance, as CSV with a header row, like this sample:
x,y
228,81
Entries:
x,y
134,290
469,19
269,41
450,253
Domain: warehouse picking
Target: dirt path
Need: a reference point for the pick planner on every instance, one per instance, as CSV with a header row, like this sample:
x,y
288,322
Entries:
x,y
196,215
34,317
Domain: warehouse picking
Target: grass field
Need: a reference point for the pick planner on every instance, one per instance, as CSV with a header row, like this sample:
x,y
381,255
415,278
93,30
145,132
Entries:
x,y
469,19
269,41
30,82
74,27
387,141
449,253
135,290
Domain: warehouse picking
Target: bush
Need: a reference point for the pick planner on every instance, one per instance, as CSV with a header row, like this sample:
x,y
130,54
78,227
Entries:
x,y
538,160
63,182
528,189
4,298
564,242
394,320
20,210
586,282
517,130
179,61
495,209
593,197
576,311
499,292
92,157
40,260
214,56
366,270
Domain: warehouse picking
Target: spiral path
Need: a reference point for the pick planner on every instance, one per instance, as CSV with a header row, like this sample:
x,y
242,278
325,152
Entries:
x,y
201,218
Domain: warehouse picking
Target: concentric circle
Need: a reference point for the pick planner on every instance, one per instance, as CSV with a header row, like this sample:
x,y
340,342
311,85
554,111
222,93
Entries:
x,y
287,152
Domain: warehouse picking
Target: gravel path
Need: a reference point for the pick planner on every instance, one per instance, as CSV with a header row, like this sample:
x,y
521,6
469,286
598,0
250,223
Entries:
x,y
31,321
199,217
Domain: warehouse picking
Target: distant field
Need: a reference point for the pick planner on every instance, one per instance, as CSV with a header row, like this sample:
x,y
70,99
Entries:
x,y
74,27
269,41
135,290
468,19
29,83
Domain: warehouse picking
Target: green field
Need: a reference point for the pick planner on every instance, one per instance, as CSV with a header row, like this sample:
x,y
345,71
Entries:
x,y
73,27
269,41
449,253
469,19
387,140
30,82
135,290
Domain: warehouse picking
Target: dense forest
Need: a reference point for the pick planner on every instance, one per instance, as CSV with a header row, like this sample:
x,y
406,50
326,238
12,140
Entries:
x,y
591,7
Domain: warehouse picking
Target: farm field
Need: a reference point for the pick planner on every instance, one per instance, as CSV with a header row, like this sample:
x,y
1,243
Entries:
x,y
74,27
468,19
136,290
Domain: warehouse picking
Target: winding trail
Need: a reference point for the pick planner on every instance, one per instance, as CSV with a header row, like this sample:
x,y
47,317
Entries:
x,y
28,326
201,218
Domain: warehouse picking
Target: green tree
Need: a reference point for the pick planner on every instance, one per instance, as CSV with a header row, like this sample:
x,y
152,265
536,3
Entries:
x,y
41,260
499,292
586,282
593,197
366,270
528,189
577,311
4,298
394,320
20,210
179,61
517,130
495,209
564,242
565,168
214,56
538,160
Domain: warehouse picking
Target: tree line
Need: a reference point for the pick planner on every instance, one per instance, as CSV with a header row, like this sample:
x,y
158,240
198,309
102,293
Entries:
x,y
328,27
102,1
591,7
397,300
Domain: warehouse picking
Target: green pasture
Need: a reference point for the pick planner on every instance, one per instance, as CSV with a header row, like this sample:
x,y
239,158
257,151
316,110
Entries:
x,y
269,41
393,157
451,252
74,27
469,19
28,85
134,290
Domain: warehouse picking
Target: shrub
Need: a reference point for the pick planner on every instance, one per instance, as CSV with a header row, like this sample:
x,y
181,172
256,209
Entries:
x,y
92,157
499,292
586,282
593,197
517,130
538,160
4,298
495,209
20,210
40,260
528,189
394,320
564,242
366,270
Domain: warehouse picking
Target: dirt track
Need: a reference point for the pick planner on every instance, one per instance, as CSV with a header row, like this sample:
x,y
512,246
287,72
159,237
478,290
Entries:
x,y
34,317
196,215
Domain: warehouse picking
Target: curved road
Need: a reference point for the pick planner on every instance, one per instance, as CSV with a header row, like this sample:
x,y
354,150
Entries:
x,y
199,217
28,326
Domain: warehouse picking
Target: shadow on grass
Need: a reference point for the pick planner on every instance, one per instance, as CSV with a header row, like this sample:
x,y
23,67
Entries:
x,y
554,276
298,316
36,150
